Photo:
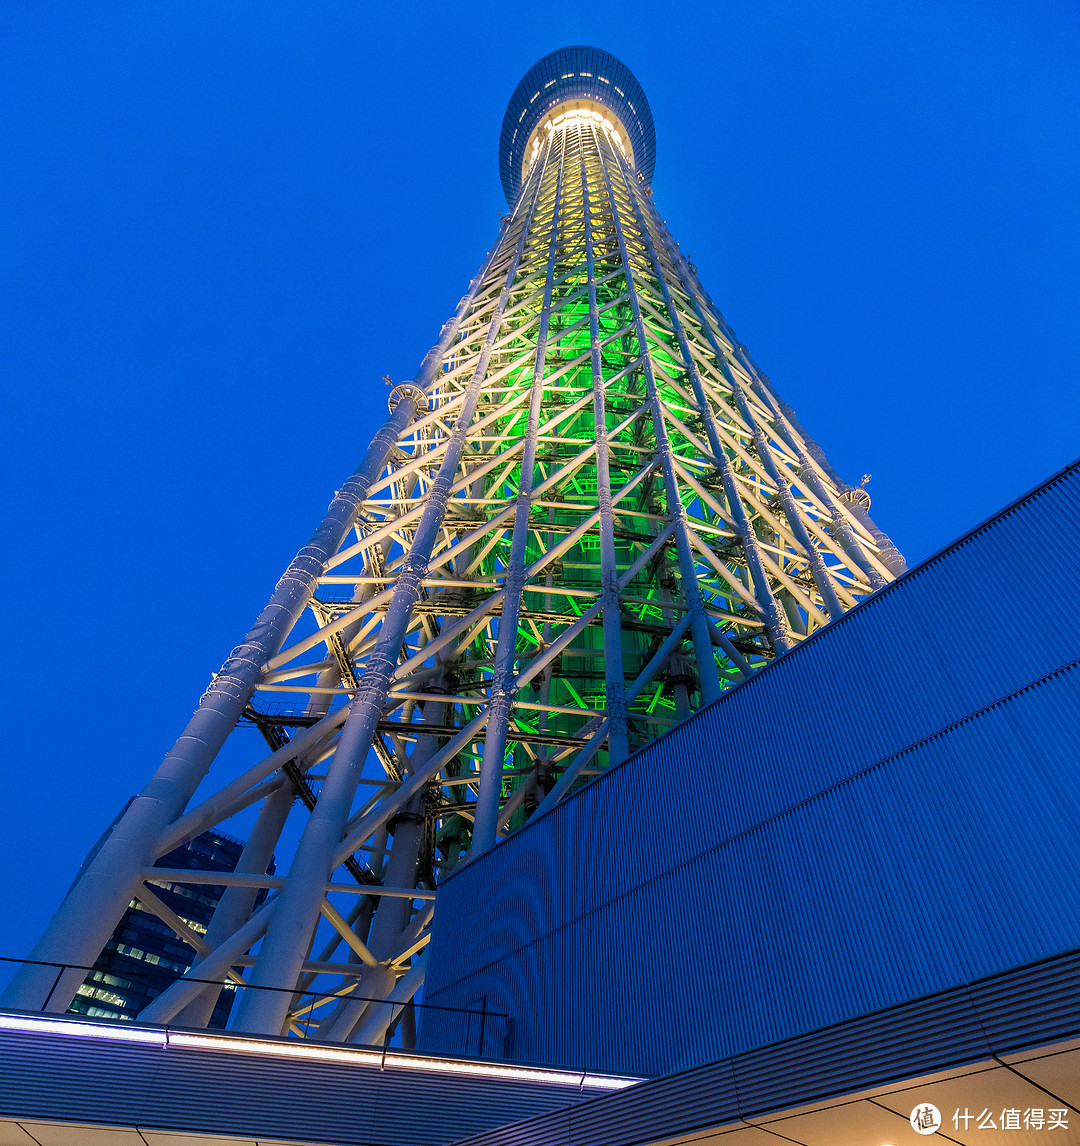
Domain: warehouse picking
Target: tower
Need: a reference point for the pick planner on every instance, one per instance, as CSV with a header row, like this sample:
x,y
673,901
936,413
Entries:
x,y
585,517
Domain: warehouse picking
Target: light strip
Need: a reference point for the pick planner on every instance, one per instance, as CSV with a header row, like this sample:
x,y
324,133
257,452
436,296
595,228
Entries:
x,y
84,1030
317,1052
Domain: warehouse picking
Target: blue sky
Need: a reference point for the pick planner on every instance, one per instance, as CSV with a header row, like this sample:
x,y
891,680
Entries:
x,y
223,223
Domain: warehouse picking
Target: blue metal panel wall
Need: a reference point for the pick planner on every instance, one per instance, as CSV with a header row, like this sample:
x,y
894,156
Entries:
x,y
889,810
252,1092
1031,1007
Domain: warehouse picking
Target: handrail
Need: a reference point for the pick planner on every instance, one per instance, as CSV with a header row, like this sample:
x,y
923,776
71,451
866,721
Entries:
x,y
468,1036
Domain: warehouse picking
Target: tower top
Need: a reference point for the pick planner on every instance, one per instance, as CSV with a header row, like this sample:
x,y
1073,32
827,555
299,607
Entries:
x,y
561,77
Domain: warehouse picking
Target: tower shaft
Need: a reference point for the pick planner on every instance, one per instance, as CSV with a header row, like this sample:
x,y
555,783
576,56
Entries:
x,y
586,517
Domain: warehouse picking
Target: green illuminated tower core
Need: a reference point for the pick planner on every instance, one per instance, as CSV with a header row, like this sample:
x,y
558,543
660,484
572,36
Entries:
x,y
585,518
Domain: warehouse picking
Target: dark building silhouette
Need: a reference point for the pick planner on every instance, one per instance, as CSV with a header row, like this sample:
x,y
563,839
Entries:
x,y
144,955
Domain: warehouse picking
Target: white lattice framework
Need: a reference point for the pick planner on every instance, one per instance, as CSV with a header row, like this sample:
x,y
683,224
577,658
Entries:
x,y
586,516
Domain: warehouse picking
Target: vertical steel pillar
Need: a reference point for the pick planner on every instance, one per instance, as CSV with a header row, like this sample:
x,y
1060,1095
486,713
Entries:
x,y
615,687
289,937
776,623
699,627
501,701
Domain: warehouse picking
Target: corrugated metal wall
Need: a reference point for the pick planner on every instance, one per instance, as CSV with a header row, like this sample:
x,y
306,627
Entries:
x,y
889,810
1035,1006
63,1076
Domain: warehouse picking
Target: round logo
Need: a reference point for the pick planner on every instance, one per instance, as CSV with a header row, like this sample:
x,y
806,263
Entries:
x,y
925,1119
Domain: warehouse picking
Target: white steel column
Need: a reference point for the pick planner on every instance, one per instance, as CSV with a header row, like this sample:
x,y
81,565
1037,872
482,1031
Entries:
x,y
502,685
289,937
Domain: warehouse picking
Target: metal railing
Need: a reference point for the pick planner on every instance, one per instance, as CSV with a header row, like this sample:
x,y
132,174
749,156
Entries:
x,y
448,1030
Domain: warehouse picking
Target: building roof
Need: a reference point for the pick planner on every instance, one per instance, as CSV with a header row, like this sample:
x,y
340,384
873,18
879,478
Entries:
x,y
577,72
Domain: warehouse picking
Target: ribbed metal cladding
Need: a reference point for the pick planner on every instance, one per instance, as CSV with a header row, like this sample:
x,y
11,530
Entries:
x,y
78,1079
889,810
1026,1007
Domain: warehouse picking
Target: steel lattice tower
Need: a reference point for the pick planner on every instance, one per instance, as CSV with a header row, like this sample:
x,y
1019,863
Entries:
x,y
585,517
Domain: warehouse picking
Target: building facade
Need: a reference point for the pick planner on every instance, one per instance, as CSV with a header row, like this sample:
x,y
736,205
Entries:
x,y
888,811
145,955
